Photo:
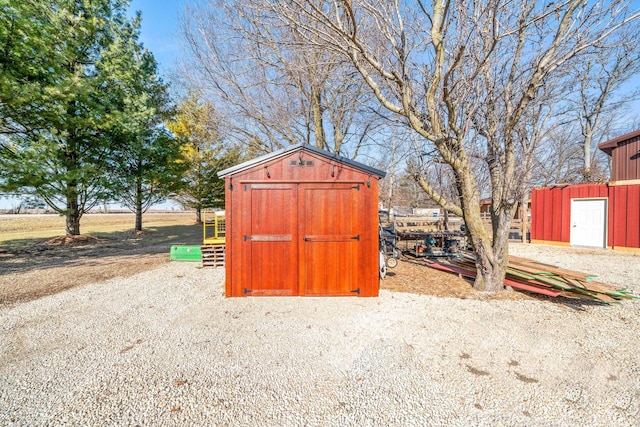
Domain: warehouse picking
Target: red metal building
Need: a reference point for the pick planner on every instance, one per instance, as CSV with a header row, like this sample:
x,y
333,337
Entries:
x,y
596,215
625,158
301,221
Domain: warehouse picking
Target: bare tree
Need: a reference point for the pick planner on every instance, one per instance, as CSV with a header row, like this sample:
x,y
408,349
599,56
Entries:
x,y
390,154
271,89
598,100
463,75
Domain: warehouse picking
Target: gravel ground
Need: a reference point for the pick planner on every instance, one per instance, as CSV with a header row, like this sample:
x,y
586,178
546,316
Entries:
x,y
165,347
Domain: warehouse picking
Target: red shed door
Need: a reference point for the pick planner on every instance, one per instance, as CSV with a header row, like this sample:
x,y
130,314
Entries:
x,y
330,238
269,236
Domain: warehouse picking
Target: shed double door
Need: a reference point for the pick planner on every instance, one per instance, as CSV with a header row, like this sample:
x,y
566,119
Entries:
x,y
302,239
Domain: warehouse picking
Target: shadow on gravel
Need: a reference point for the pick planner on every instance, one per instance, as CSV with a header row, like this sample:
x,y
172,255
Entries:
x,y
572,303
28,254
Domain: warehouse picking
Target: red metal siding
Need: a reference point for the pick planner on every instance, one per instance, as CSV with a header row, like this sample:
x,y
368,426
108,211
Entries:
x,y
562,221
625,161
625,224
551,209
304,218
633,216
551,206
619,203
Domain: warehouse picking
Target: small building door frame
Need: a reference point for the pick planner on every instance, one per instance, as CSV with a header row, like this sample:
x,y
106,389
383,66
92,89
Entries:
x,y
588,221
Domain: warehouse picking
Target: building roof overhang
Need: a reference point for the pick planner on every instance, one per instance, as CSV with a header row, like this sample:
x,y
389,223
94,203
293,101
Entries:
x,y
297,147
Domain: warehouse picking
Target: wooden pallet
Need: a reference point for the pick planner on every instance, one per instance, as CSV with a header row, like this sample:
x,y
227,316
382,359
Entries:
x,y
213,255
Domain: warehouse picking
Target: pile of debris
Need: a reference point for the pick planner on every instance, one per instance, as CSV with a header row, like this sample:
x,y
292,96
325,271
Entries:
x,y
539,278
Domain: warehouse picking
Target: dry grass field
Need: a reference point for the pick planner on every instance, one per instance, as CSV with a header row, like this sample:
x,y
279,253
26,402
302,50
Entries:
x,y
31,266
42,226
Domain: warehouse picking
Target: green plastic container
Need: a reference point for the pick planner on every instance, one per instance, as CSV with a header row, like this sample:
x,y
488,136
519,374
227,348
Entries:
x,y
185,253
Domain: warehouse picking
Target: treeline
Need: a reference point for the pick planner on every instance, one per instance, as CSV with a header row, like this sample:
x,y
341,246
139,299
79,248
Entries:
x,y
85,117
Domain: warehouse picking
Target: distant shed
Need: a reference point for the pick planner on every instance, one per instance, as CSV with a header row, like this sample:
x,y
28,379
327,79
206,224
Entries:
x,y
594,215
301,221
569,214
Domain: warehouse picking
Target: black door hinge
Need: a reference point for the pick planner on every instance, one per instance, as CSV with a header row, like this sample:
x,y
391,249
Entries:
x,y
356,291
356,187
248,291
356,238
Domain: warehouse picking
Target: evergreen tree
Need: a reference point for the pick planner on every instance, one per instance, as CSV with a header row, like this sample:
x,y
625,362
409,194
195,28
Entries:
x,y
61,99
149,163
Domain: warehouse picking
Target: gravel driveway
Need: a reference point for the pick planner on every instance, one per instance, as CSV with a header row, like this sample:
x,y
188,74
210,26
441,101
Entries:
x,y
165,347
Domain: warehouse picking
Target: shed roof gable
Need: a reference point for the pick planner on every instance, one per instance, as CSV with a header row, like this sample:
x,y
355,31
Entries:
x,y
293,148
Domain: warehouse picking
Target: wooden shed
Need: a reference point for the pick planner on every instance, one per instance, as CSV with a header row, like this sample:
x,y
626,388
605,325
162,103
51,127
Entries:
x,y
594,215
301,221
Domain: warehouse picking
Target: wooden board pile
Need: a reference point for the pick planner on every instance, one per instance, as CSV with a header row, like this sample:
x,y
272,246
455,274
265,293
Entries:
x,y
544,279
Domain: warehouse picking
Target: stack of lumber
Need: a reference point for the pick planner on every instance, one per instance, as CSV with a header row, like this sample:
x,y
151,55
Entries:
x,y
531,276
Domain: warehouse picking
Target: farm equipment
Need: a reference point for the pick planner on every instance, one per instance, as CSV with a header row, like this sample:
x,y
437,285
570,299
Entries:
x,y
433,244
388,252
388,240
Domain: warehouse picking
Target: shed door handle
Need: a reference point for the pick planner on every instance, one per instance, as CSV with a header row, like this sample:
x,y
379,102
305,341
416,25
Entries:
x,y
330,238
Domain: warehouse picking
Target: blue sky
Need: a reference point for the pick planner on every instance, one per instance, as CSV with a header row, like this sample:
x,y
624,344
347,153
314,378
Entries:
x,y
160,28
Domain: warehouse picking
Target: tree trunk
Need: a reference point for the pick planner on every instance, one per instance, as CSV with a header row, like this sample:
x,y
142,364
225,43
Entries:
x,y
72,214
73,211
490,269
392,171
138,218
586,173
490,258
492,252
138,204
445,222
316,107
72,221
199,215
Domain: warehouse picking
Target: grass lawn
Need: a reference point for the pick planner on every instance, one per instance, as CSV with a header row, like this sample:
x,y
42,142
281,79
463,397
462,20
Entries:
x,y
45,226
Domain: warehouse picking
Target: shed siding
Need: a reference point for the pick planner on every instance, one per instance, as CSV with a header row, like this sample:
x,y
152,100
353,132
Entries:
x,y
625,160
551,210
321,204
280,169
625,227
619,203
552,206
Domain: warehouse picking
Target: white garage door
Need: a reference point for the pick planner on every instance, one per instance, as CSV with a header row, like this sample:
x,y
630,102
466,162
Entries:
x,y
588,222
